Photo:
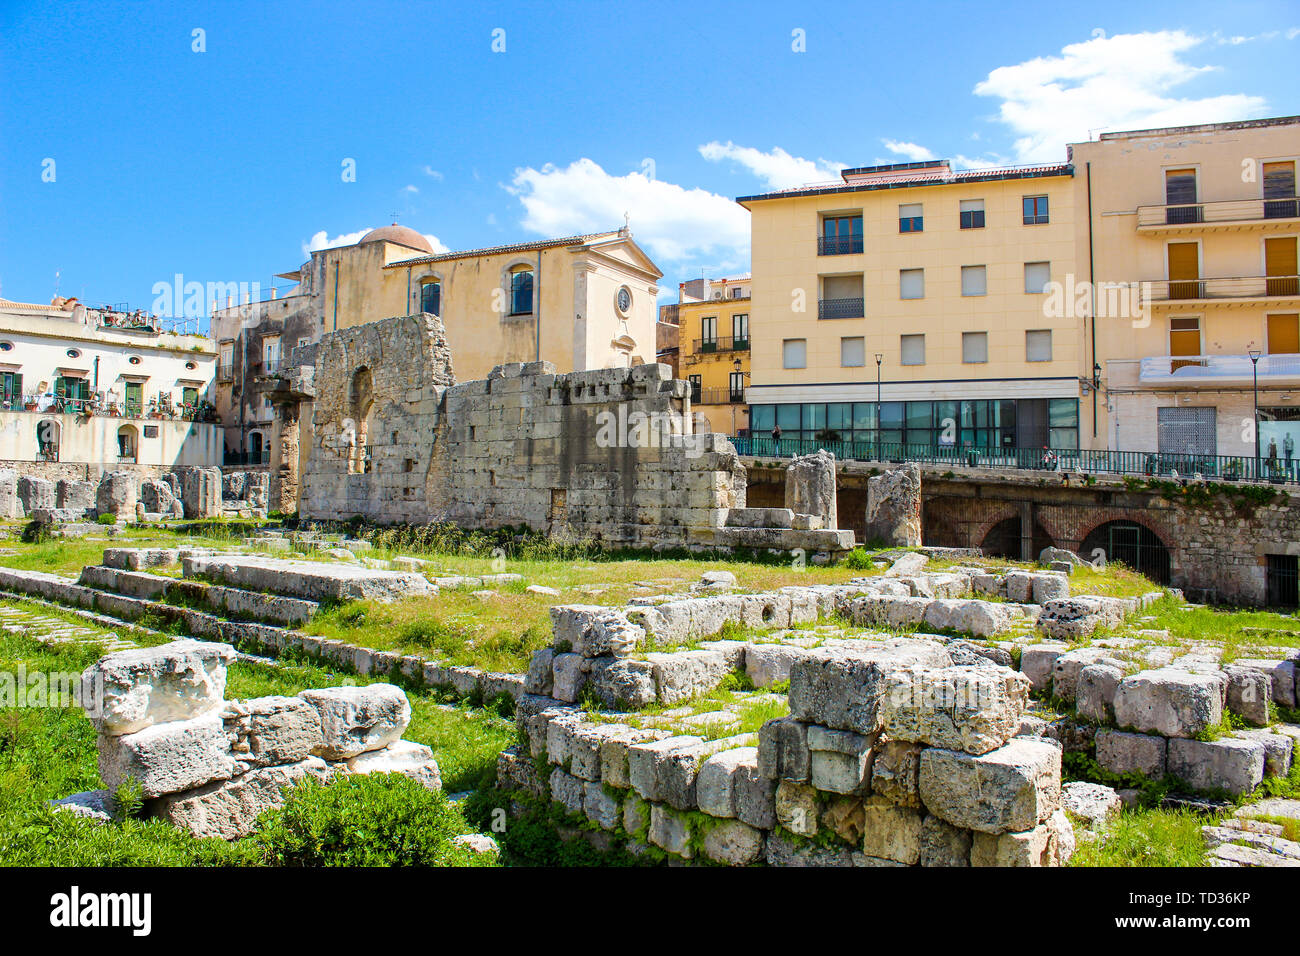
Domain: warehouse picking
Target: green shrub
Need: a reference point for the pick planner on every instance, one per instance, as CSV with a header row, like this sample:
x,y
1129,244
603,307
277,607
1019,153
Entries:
x,y
107,519
373,820
858,560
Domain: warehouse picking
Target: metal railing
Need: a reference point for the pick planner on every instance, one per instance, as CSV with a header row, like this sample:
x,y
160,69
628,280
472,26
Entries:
x,y
225,373
1087,461
1238,287
1237,210
841,308
1192,369
717,395
722,343
247,457
838,245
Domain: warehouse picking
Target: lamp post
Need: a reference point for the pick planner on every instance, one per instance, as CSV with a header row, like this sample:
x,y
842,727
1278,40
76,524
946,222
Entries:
x,y
879,359
1254,380
742,373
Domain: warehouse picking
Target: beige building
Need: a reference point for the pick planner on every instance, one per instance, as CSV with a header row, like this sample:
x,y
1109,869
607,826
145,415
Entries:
x,y
1199,227
906,304
99,389
713,354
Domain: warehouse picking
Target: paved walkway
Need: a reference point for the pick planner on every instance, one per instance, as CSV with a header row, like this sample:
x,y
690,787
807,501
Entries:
x,y
55,630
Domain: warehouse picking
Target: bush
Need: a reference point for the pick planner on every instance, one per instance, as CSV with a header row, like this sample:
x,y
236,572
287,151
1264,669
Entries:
x,y
36,532
372,820
858,560
107,519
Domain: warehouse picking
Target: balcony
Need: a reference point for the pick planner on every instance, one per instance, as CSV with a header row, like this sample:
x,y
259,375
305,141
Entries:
x,y
1232,214
1240,287
720,395
225,373
838,245
841,308
1192,370
724,343
247,458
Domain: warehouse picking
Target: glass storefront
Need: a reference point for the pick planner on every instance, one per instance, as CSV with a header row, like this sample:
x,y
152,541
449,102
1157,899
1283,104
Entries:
x,y
995,423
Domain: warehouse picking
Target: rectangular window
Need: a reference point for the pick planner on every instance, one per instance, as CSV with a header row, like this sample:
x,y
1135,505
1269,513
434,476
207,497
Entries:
x,y
794,353
189,396
1186,431
841,235
1037,276
431,298
697,387
1184,263
1038,345
972,213
1180,187
1035,210
521,292
11,389
911,284
1283,334
841,297
1281,261
853,352
736,382
911,218
974,347
974,280
1279,191
740,330
708,333
737,292
911,349
1184,339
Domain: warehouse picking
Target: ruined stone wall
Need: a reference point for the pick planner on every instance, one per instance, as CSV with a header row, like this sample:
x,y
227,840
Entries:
x,y
603,455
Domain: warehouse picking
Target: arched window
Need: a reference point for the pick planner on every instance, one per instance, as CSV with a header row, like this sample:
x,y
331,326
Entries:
x,y
361,406
47,440
431,296
255,448
521,290
127,443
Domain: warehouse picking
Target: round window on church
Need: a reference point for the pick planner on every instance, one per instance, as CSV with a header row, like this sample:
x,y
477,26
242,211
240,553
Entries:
x,y
624,300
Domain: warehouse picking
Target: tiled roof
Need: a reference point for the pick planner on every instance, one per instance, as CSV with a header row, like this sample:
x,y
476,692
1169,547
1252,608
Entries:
x,y
517,247
931,175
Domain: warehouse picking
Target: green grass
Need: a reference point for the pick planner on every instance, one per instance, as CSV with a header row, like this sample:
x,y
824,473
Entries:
x,y
1147,838
1231,628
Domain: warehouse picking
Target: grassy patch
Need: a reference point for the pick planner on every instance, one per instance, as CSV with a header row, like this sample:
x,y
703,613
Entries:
x,y
1147,838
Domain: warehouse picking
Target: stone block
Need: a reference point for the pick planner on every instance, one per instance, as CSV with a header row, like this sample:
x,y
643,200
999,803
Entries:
x,y
1281,675
1230,763
734,843
647,764
810,487
354,720
943,844
567,790
670,831
1036,662
130,690
601,806
622,684
840,760
1095,687
783,750
1122,753
229,809
895,772
714,786
168,757
796,807
1010,789
1092,803
1169,702
1066,667
975,709
1249,691
402,756
891,832
267,731
844,691
594,630
894,507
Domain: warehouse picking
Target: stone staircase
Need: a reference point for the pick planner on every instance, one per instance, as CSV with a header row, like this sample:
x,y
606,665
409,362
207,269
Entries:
x,y
55,631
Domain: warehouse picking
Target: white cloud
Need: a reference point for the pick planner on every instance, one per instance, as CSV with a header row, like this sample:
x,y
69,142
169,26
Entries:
x,y
432,173
410,188
777,169
323,240
1293,33
911,150
675,224
1118,82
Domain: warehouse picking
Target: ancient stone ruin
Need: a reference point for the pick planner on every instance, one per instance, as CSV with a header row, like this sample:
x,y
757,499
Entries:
x,y
210,765
607,456
894,507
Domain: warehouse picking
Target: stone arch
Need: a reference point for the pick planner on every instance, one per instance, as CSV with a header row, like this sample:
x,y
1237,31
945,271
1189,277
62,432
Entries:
x,y
418,282
1007,539
361,407
128,443
48,434
508,270
256,445
1132,542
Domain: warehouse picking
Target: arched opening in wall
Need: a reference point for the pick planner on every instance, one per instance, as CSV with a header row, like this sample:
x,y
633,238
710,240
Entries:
x,y
128,443
520,290
361,402
256,448
47,440
1131,544
1006,539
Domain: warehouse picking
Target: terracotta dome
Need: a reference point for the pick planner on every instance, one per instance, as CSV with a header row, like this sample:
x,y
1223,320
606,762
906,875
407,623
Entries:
x,y
402,235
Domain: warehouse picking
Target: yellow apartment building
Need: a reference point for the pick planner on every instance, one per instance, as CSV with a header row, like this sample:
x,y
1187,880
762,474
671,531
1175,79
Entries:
x,y
1199,225
907,303
713,337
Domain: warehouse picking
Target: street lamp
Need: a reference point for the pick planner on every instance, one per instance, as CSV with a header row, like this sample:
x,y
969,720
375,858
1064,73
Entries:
x,y
880,357
739,371
1254,378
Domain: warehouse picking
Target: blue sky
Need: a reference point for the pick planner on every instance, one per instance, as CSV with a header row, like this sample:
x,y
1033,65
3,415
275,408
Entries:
x,y
225,165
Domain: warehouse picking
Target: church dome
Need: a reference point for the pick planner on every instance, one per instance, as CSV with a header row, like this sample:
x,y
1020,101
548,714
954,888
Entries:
x,y
402,235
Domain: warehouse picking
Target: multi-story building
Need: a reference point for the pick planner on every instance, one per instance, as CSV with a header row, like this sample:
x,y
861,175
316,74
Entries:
x,y
905,304
1195,230
713,353
580,302
100,388
668,338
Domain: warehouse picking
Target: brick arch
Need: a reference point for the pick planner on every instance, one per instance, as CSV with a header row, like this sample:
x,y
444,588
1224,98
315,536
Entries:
x,y
1100,517
989,524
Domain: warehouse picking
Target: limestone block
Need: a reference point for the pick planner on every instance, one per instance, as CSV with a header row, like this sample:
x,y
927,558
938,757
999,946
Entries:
x,y
1072,619
594,631
894,507
1028,848
974,709
201,493
1095,687
768,664
567,789
74,495
97,805
266,731
734,843
128,691
810,487
646,763
781,851
622,684
844,691
229,809
357,719
1011,789
943,844
687,674
840,760
891,832
1278,750
1169,702
670,831
1066,667
895,772
1121,753
1281,676
714,786
1230,764
843,816
1092,803
156,496
783,750
1249,691
34,493
168,757
754,796
1049,587
402,756
1036,662
796,807
11,506
614,769
568,676
601,806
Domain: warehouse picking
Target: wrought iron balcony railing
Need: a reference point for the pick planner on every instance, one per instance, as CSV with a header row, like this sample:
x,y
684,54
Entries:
x,y
841,308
